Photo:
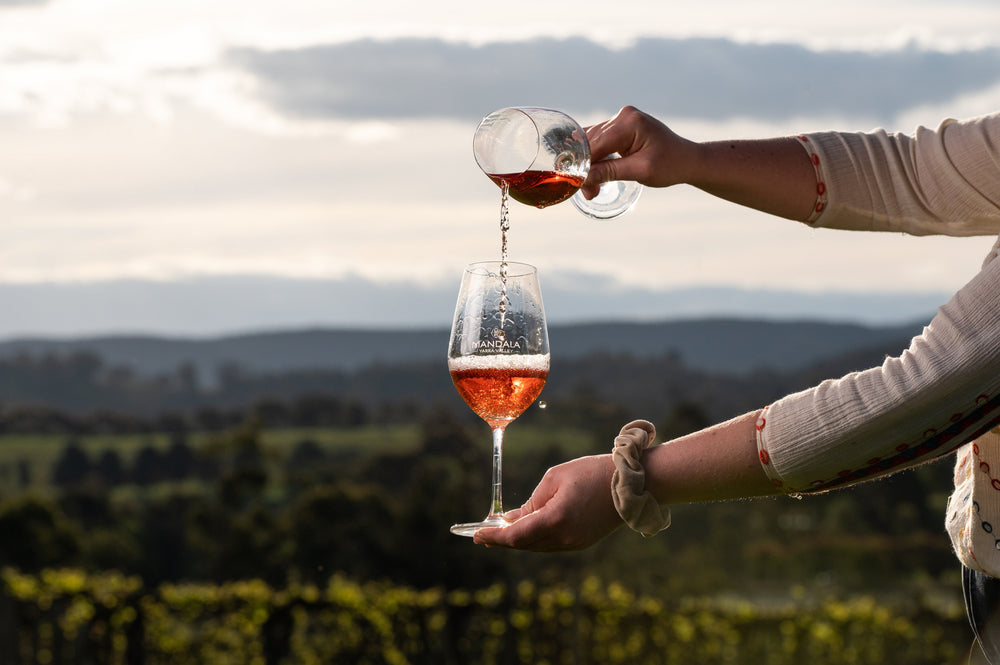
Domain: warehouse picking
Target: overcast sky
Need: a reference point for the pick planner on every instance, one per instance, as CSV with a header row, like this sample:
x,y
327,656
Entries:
x,y
313,139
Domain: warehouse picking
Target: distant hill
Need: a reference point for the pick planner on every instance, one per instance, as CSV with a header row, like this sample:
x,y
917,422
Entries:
x,y
726,345
227,304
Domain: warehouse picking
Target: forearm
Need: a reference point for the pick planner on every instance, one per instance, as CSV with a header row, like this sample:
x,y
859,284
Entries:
x,y
713,464
774,176
941,392
572,506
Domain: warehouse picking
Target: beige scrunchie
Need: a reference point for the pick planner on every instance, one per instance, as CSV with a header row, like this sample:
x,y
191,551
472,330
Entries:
x,y
636,506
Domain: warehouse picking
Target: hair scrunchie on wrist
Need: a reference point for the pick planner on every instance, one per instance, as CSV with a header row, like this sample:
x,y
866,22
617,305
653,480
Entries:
x,y
636,506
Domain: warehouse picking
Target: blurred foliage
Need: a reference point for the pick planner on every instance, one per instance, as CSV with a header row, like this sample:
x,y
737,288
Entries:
x,y
67,615
243,503
314,528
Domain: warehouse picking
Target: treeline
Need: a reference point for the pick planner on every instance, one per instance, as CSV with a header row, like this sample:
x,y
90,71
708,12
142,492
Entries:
x,y
78,395
310,410
306,553
231,509
79,386
82,391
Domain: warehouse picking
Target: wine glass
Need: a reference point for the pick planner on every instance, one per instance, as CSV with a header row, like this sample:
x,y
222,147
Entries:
x,y
543,156
498,356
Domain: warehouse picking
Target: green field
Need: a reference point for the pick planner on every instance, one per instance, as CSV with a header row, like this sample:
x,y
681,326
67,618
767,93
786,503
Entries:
x,y
41,451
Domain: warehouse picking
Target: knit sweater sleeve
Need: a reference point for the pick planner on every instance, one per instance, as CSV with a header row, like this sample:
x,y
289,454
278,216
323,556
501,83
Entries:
x,y
942,391
942,181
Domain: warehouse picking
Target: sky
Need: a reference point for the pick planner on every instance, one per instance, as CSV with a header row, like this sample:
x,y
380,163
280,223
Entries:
x,y
166,145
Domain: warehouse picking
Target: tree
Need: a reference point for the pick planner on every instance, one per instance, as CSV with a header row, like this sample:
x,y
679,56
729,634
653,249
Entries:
x,y
245,476
305,455
179,461
307,465
442,434
685,418
35,535
164,540
109,468
148,466
73,466
89,506
344,527
251,546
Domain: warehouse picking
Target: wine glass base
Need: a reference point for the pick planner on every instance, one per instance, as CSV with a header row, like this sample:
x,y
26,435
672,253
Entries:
x,y
469,528
614,200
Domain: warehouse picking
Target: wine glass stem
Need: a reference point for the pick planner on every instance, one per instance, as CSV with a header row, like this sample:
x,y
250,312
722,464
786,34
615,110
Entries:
x,y
496,504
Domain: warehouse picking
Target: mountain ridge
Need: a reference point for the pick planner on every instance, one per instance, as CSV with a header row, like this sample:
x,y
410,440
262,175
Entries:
x,y
714,344
228,305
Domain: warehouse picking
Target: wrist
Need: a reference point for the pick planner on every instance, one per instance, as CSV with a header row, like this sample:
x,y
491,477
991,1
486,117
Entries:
x,y
637,507
695,163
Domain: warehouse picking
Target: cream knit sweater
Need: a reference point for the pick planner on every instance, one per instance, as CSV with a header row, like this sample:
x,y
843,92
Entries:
x,y
943,392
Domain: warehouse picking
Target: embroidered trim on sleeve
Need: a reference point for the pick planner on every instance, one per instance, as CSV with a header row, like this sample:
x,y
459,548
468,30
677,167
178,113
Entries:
x,y
821,198
762,454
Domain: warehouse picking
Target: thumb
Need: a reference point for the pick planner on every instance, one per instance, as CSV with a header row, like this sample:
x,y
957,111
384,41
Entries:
x,y
517,513
606,170
541,495
522,533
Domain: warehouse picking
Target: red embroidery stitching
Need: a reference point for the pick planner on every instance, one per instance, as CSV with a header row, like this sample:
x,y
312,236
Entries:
x,y
985,468
981,401
820,204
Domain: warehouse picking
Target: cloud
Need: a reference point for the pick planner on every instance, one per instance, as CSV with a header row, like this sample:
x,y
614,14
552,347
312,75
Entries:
x,y
136,160
15,191
709,78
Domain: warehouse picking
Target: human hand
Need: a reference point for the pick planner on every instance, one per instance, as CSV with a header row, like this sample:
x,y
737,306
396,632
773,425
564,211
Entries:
x,y
570,509
651,153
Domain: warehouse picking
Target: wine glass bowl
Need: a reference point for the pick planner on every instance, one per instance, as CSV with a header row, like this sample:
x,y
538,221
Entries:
x,y
498,357
543,156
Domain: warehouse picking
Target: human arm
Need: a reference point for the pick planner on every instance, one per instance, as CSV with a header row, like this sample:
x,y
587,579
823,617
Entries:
x,y
933,181
772,175
572,508
940,393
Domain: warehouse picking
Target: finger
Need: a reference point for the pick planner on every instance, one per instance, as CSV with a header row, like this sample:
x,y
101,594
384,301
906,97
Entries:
x,y
616,134
527,533
604,139
527,507
601,172
527,524
604,171
540,496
